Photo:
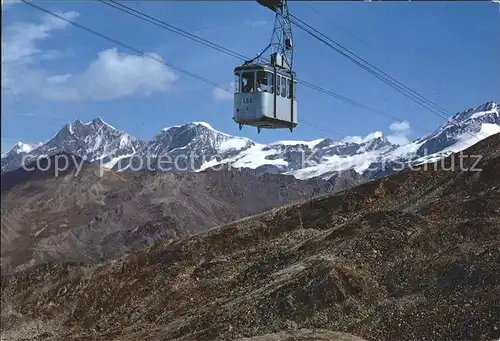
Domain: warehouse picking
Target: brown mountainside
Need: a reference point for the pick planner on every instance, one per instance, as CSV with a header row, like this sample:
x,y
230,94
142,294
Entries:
x,y
91,215
415,256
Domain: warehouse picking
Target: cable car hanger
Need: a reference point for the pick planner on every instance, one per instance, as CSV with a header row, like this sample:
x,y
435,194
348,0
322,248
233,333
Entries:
x,y
265,88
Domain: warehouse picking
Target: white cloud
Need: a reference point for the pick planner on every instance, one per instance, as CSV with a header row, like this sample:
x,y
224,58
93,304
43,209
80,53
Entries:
x,y
400,132
399,127
110,76
221,95
20,48
19,51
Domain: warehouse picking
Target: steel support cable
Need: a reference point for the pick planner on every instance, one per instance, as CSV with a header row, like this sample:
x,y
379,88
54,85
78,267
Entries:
x,y
442,110
142,53
425,103
364,42
162,24
135,50
171,28
312,8
187,34
418,101
237,55
368,66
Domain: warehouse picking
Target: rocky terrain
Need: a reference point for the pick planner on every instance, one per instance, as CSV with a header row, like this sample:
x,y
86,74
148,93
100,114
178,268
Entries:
x,y
197,146
93,214
413,256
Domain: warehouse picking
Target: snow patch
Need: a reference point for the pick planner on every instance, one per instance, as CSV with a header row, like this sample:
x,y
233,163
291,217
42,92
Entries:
x,y
255,157
101,121
171,127
21,147
483,113
97,143
464,141
124,141
204,124
252,157
24,147
110,164
336,163
208,164
310,144
233,144
406,150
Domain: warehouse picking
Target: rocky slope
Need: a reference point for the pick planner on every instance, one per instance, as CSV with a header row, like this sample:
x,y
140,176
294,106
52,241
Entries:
x,y
88,214
411,256
198,146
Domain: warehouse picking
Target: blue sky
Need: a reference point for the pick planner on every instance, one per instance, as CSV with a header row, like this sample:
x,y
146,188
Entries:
x,y
54,73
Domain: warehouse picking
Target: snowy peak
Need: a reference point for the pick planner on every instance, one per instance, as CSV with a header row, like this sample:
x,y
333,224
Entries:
x,y
197,146
17,154
99,123
92,138
377,135
469,125
202,124
93,141
191,126
77,127
21,147
488,110
306,159
186,135
198,141
309,144
375,141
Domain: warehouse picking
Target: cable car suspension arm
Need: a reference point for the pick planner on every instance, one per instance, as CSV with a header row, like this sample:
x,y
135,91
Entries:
x,y
281,43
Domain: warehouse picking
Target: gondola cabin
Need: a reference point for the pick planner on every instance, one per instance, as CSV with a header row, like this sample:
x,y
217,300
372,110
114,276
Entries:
x,y
265,97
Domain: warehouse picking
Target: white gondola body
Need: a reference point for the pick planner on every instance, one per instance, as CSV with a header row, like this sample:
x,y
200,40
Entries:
x,y
268,104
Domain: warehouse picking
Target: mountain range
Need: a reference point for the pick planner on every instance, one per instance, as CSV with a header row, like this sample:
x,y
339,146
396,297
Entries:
x,y
411,256
87,214
197,146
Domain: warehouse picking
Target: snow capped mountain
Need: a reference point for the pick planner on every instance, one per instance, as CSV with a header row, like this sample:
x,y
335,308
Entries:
x,y
16,154
93,141
184,148
197,146
461,131
305,159
25,147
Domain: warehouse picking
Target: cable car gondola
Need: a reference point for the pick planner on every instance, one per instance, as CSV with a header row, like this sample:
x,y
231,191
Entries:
x,y
265,95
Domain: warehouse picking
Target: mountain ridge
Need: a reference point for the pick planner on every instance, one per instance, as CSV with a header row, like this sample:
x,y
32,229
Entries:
x,y
411,256
196,146
84,212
